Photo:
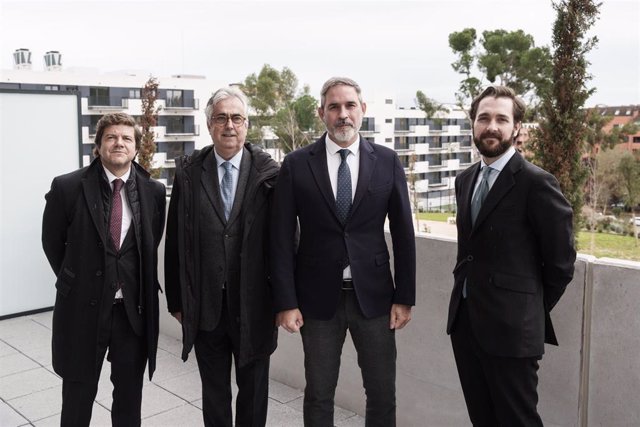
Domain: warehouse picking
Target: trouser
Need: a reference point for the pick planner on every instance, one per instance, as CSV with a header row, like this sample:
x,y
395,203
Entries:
x,y
214,350
498,391
128,358
376,349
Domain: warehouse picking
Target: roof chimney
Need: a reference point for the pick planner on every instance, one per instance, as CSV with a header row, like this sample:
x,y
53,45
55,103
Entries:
x,y
53,61
22,59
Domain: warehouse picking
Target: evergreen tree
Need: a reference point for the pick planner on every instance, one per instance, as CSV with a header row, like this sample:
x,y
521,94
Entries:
x,y
149,119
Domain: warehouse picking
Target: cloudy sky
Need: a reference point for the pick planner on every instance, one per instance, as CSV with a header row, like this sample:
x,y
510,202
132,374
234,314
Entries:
x,y
390,47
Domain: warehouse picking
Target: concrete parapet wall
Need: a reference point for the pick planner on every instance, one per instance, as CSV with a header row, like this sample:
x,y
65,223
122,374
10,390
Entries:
x,y
592,378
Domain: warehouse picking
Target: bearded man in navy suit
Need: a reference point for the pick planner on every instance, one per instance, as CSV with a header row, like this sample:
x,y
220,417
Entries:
x,y
337,277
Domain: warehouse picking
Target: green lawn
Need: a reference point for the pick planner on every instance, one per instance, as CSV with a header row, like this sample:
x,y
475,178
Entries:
x,y
604,245
436,216
609,245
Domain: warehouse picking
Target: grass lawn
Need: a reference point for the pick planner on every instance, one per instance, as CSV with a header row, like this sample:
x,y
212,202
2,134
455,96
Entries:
x,y
436,216
609,245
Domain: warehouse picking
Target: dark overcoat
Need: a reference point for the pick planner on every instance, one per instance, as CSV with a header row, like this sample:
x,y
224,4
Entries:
x,y
183,256
74,238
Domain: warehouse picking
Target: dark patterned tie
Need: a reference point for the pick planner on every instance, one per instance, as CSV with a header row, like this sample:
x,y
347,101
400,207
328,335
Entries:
x,y
481,194
115,225
343,194
226,187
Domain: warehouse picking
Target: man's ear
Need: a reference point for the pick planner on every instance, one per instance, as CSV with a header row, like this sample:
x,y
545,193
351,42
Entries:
x,y
321,113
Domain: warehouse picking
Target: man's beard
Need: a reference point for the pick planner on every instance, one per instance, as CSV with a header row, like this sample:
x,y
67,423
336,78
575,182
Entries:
x,y
495,151
345,134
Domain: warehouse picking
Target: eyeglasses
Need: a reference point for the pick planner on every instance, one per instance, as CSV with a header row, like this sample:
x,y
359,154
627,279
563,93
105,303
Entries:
x,y
223,119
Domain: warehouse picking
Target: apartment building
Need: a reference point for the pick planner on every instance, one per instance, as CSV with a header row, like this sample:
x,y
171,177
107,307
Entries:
x,y
181,123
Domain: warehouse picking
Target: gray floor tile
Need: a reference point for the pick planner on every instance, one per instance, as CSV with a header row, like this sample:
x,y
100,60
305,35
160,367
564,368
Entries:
x,y
15,326
33,336
44,318
187,386
172,345
9,417
339,414
283,393
15,363
170,366
155,400
6,349
282,415
27,382
41,354
39,405
100,417
185,415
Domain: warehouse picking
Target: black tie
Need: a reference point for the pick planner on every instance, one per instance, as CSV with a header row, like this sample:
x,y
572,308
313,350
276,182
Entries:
x,y
481,194
343,194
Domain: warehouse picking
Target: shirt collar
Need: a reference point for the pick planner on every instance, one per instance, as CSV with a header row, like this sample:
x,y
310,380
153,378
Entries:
x,y
235,160
502,160
111,177
333,148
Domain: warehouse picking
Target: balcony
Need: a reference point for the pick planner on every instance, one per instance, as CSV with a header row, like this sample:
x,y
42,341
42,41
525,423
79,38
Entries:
x,y
183,130
107,103
181,105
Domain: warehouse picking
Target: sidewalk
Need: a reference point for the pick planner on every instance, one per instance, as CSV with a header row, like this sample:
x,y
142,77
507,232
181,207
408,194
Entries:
x,y
30,393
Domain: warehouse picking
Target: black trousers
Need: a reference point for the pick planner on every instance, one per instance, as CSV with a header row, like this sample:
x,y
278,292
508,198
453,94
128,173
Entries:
x,y
376,347
498,391
214,350
128,358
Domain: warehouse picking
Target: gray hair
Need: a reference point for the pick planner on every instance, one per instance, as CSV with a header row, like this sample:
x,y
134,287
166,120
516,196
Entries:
x,y
337,81
224,93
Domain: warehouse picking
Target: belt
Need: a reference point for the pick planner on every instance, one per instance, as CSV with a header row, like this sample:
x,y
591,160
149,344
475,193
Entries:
x,y
347,284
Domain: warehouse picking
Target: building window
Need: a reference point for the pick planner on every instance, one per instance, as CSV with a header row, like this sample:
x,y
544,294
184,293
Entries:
x,y
388,101
99,96
388,120
388,140
174,98
175,124
134,93
93,123
51,87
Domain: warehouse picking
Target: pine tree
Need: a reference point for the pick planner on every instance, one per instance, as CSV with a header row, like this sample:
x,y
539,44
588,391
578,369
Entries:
x,y
149,119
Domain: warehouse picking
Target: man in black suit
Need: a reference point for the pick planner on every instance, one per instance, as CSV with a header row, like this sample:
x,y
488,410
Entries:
x,y
515,258
340,190
101,228
216,263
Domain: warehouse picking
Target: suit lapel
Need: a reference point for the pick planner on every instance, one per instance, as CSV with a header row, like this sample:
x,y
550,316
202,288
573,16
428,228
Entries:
x,y
500,188
466,192
210,183
320,171
367,165
92,190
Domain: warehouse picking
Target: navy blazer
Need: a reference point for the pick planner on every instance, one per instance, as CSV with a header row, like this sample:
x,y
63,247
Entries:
x,y
307,274
517,258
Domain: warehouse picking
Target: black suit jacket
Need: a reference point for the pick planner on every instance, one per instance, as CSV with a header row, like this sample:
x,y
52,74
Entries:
x,y
310,277
517,258
74,238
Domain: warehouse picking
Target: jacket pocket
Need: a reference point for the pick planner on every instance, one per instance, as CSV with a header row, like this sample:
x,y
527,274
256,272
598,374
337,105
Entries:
x,y
527,285
63,287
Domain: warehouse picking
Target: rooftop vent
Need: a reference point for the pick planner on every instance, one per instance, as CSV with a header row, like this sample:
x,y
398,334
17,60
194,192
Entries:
x,y
53,60
22,59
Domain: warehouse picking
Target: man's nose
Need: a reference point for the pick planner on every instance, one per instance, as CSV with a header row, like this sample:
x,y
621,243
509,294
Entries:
x,y
492,125
344,113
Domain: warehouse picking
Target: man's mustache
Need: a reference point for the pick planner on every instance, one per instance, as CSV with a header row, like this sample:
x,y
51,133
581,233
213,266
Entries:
x,y
343,123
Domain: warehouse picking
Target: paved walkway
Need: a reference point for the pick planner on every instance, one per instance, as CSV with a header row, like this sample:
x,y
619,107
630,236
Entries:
x,y
30,392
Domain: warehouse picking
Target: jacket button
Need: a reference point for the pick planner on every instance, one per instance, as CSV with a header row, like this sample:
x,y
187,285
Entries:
x,y
99,273
93,302
470,258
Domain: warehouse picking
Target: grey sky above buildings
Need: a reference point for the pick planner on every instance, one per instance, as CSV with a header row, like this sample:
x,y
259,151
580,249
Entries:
x,y
390,47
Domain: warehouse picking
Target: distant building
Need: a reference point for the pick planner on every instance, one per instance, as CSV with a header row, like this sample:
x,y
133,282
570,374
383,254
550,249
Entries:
x,y
620,116
181,123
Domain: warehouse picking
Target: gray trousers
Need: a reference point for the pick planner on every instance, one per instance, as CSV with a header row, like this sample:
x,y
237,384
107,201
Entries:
x,y
376,347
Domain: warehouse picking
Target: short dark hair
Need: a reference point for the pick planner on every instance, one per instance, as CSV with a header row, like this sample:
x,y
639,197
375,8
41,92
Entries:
x,y
519,106
112,120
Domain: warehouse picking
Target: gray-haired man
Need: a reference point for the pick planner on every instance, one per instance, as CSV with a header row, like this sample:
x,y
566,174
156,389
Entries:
x,y
219,209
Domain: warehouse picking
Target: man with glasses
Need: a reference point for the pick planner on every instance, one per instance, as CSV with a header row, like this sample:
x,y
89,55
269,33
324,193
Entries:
x,y
216,263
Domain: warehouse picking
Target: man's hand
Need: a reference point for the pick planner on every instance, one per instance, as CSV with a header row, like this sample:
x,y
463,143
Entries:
x,y
400,316
291,320
178,316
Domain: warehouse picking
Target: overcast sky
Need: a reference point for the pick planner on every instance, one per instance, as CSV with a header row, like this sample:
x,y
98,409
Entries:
x,y
390,47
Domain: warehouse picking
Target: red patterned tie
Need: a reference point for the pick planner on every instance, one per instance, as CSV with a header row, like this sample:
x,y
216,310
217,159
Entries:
x,y
115,226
